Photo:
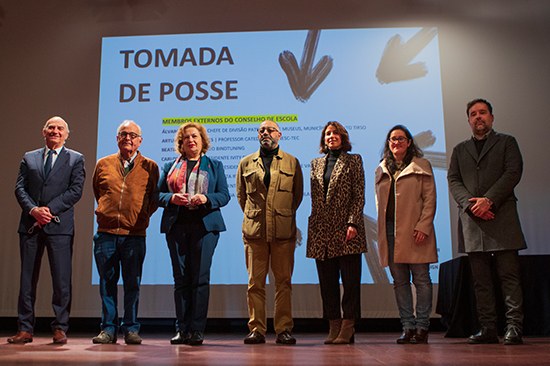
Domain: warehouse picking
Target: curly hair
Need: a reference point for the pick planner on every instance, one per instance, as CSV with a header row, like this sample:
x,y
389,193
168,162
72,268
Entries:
x,y
178,139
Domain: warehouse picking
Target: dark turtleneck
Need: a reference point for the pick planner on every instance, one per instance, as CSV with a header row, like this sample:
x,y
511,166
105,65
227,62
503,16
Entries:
x,y
332,157
267,158
479,144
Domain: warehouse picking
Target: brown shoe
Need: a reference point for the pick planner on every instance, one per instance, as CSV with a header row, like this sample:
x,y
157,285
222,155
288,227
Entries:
x,y
59,336
420,337
21,337
335,325
347,332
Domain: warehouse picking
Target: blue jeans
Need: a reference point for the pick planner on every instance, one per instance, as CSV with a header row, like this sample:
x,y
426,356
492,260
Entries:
x,y
113,252
401,273
191,252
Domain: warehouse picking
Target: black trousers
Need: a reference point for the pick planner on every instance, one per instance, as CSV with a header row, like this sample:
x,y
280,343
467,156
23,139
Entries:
x,y
506,264
60,253
347,267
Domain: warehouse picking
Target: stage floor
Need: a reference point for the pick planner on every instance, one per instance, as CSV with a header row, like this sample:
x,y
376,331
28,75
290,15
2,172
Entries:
x,y
228,349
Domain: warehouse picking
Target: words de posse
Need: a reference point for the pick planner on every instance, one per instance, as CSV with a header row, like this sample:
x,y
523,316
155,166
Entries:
x,y
185,90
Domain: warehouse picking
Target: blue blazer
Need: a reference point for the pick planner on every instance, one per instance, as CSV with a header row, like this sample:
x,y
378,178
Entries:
x,y
218,196
60,191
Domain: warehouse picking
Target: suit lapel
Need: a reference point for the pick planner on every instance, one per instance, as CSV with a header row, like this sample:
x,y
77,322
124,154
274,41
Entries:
x,y
491,141
471,149
39,161
318,176
60,161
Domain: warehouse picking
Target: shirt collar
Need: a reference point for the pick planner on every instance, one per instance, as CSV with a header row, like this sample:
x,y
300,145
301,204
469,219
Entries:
x,y
57,151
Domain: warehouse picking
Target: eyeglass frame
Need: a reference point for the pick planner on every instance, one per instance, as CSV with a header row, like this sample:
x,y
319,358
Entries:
x,y
132,135
269,130
398,139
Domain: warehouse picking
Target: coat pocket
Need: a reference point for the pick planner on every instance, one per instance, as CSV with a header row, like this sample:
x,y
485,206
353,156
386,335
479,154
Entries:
x,y
285,224
252,223
286,180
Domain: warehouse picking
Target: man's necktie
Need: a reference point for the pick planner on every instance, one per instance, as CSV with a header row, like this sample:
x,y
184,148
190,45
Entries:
x,y
128,166
48,164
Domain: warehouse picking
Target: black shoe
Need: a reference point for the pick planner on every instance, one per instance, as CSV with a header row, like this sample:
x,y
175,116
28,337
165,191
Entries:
x,y
513,336
406,336
420,337
285,338
254,337
180,338
484,336
196,338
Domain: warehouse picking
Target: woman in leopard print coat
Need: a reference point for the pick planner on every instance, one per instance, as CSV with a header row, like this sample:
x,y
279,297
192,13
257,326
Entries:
x,y
336,230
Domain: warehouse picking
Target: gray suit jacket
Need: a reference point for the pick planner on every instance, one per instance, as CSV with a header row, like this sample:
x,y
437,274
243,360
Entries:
x,y
60,191
493,174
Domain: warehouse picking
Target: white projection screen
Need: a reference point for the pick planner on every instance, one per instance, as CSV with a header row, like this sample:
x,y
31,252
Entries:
x,y
367,79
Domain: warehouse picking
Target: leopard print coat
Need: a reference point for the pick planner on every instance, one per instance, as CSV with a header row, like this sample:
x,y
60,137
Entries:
x,y
343,205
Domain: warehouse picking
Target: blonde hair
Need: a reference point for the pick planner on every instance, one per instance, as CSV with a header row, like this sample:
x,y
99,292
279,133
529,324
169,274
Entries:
x,y
178,139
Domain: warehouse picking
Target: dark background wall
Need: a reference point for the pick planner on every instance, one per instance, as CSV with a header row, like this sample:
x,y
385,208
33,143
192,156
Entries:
x,y
49,65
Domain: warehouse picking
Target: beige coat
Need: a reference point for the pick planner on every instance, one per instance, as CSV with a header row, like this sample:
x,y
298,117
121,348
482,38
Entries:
x,y
269,214
415,202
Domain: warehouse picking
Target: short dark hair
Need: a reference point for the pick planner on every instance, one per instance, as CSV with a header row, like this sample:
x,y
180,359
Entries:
x,y
478,100
340,130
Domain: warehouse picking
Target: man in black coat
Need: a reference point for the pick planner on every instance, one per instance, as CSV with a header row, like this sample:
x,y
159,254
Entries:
x,y
482,175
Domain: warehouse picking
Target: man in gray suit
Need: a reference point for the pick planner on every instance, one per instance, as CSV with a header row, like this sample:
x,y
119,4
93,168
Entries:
x,y
482,175
49,184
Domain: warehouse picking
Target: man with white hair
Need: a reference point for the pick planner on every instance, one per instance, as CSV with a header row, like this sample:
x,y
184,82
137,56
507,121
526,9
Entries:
x,y
49,184
125,187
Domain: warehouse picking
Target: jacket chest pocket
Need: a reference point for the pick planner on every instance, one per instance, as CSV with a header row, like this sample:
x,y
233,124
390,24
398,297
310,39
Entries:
x,y
252,179
286,180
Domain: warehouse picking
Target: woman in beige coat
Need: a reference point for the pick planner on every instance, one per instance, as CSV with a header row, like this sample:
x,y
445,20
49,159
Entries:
x,y
406,201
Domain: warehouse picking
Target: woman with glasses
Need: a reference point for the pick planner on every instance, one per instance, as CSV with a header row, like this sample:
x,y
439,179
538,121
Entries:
x,y
406,200
336,230
192,189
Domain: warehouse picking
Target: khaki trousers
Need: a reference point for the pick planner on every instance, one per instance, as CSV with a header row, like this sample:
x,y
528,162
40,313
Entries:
x,y
260,257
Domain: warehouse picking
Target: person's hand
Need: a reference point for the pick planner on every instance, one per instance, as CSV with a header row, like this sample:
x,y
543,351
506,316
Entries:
x,y
351,233
198,199
419,237
180,199
42,215
481,207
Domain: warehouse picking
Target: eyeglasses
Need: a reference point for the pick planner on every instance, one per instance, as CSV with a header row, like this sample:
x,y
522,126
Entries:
x,y
268,129
399,139
132,135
